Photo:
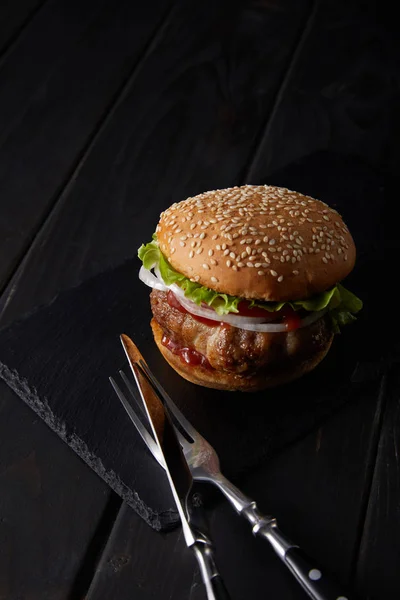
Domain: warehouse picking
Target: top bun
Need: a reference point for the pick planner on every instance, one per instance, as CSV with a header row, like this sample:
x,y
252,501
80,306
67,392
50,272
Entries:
x,y
257,242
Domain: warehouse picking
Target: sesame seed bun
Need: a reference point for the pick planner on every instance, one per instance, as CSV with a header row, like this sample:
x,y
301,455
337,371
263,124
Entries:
x,y
229,381
257,242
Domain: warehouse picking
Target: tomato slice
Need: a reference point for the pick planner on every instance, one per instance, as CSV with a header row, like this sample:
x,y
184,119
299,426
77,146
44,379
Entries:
x,y
245,311
291,318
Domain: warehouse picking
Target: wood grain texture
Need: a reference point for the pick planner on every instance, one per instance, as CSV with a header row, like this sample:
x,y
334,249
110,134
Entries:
x,y
142,564
56,85
342,92
187,122
51,505
14,17
377,573
57,82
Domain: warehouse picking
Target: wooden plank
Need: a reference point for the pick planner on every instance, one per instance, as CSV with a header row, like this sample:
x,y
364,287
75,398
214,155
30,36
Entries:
x,y
187,122
151,564
56,85
378,573
313,488
14,16
54,511
345,102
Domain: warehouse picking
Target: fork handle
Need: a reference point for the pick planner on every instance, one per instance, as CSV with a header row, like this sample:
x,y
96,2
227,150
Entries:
x,y
313,580
212,580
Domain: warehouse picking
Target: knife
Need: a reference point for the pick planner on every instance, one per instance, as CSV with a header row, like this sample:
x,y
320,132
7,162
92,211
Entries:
x,y
179,477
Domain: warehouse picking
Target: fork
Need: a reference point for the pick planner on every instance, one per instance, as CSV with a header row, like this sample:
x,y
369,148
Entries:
x,y
204,465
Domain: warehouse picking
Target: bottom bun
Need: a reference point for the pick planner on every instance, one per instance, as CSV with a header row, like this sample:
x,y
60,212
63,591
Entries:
x,y
225,380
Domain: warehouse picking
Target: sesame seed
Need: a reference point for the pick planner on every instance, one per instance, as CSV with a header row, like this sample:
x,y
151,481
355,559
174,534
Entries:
x,y
199,250
271,242
182,244
232,255
191,254
324,259
273,273
172,250
214,279
249,264
213,262
202,236
223,246
280,278
206,266
210,252
228,263
226,252
234,267
260,272
295,272
218,247
215,236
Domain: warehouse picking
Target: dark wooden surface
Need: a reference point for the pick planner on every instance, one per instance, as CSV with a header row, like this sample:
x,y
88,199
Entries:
x,y
109,111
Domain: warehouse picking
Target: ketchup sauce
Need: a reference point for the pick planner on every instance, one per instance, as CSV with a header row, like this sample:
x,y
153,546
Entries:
x,y
187,355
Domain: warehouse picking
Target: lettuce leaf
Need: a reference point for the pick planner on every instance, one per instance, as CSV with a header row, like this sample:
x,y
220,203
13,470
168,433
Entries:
x,y
341,303
151,256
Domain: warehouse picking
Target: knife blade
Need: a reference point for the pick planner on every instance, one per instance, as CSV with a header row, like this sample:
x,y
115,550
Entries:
x,y
179,476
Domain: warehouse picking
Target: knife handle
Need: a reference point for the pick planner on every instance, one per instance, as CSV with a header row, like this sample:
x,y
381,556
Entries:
x,y
210,575
314,581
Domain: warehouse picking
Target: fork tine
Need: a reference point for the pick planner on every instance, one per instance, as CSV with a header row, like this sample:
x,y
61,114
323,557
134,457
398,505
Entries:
x,y
180,418
133,393
145,435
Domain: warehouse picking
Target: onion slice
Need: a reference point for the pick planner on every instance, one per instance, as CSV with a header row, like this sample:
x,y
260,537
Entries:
x,y
151,280
247,323
256,324
209,313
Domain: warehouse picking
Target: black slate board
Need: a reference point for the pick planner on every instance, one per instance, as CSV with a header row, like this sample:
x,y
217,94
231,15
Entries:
x,y
58,360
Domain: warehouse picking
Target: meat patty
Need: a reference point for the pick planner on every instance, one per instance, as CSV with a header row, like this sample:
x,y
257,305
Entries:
x,y
237,350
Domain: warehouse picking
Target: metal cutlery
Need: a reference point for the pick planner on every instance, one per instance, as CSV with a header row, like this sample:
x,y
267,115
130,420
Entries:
x,y
203,463
170,456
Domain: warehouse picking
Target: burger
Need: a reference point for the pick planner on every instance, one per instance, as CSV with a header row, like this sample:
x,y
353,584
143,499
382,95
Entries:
x,y
245,285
